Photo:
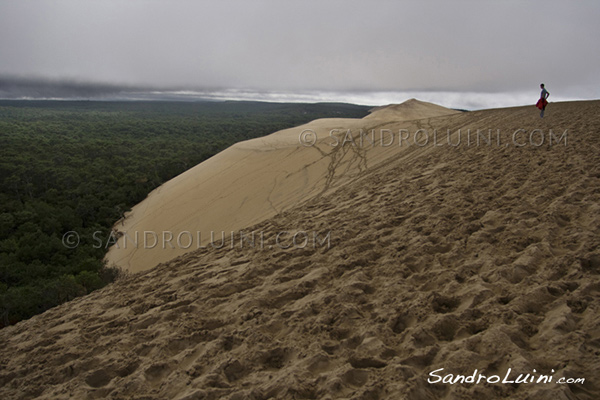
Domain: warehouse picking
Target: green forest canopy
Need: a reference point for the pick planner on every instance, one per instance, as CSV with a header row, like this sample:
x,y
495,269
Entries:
x,y
80,165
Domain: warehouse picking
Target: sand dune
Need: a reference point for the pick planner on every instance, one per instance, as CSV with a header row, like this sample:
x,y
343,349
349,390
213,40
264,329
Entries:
x,y
412,109
457,257
248,183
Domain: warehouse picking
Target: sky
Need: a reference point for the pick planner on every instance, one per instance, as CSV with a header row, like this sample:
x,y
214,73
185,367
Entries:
x,y
464,54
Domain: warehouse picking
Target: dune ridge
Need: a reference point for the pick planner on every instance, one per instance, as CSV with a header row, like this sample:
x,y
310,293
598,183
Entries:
x,y
411,109
462,258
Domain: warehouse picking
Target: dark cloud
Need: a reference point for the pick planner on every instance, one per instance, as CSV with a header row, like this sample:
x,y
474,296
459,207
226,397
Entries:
x,y
40,88
23,88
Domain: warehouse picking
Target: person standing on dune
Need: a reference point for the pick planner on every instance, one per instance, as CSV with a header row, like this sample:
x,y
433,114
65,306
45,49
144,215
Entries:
x,y
543,102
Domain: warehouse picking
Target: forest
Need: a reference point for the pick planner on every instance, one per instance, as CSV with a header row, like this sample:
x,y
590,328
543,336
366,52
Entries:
x,y
80,165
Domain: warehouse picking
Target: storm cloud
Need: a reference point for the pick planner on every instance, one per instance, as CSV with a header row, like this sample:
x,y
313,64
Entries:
x,y
494,52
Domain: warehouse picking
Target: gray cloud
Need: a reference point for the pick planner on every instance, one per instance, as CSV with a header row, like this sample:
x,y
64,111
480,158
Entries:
x,y
329,46
32,88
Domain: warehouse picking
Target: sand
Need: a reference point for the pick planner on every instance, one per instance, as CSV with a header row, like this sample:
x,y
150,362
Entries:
x,y
464,258
250,182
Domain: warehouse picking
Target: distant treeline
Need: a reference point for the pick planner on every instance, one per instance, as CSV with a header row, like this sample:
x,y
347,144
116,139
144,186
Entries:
x,y
79,166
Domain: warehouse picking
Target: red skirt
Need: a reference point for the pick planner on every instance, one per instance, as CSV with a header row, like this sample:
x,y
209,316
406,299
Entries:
x,y
541,103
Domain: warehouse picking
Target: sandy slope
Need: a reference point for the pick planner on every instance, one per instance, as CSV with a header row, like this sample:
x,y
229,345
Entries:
x,y
248,183
474,257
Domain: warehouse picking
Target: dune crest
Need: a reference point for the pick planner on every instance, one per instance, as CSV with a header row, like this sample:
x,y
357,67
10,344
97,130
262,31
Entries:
x,y
410,110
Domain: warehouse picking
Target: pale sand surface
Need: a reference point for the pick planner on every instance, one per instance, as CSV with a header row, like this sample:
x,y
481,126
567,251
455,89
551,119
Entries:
x,y
460,258
250,182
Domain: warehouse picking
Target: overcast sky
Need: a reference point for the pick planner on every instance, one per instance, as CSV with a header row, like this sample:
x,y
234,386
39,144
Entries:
x,y
470,54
